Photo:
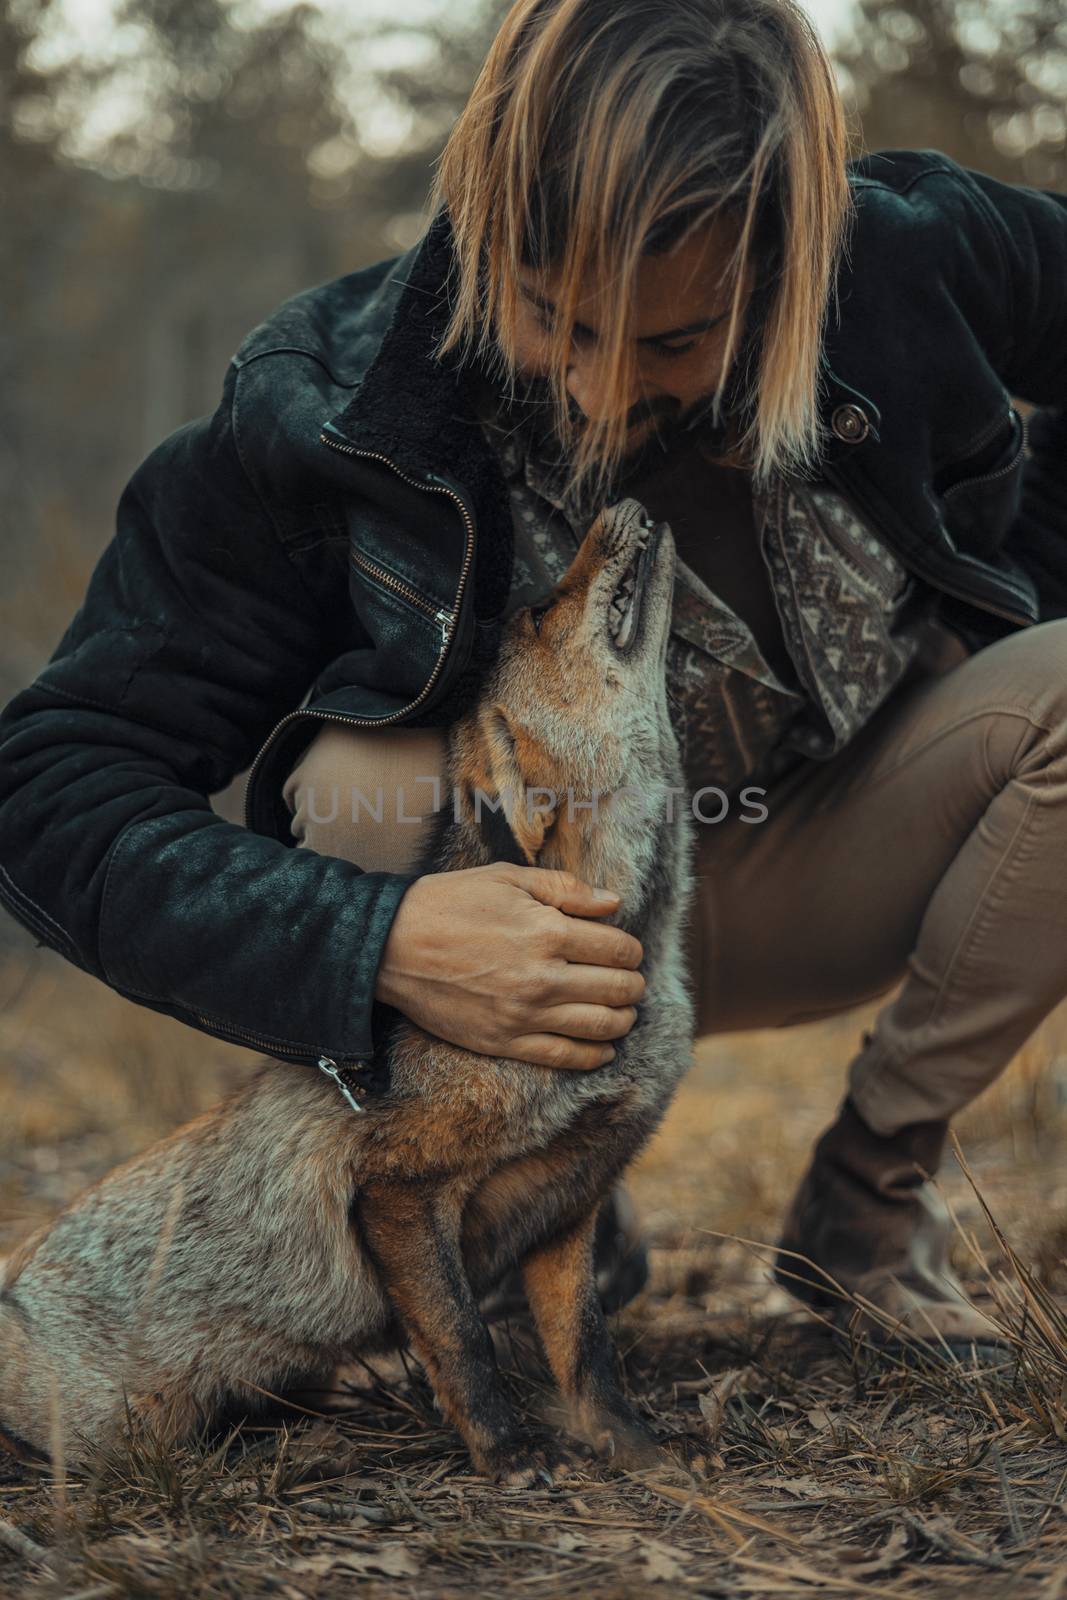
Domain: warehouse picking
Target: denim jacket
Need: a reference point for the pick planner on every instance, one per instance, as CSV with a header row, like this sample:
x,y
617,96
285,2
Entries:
x,y
334,543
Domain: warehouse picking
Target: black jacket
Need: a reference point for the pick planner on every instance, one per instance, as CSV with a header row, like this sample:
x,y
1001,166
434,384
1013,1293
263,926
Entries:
x,y
338,533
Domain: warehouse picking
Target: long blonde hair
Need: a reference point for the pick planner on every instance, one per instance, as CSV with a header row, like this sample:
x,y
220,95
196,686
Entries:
x,y
601,130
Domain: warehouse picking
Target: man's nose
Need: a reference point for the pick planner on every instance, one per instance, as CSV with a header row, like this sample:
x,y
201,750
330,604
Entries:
x,y
588,388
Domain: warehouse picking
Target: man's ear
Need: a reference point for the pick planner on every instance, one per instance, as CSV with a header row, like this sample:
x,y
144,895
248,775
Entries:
x,y
512,810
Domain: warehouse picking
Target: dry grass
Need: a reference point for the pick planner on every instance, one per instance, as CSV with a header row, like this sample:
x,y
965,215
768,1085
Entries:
x,y
805,1468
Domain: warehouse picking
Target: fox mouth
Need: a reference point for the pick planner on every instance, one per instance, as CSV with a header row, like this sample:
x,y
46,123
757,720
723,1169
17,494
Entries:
x,y
627,597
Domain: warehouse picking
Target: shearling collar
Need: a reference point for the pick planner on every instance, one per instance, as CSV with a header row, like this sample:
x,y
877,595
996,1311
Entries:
x,y
416,410
420,413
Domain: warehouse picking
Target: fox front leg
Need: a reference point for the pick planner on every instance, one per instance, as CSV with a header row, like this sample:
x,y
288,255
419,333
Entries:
x,y
561,1290
412,1231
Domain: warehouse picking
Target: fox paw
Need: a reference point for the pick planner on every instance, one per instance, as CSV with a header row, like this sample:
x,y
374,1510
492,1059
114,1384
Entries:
x,y
523,1467
626,1443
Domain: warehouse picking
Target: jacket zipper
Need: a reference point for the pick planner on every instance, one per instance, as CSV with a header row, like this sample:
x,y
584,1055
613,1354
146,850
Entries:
x,y
448,620
340,1071
344,1074
988,432
344,1079
271,1047
1001,472
412,596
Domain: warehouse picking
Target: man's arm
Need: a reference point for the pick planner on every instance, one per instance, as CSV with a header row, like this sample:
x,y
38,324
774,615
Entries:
x,y
1027,244
1022,269
195,636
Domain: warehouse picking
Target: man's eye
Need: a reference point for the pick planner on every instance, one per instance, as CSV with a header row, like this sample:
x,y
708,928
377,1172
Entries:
x,y
674,349
547,325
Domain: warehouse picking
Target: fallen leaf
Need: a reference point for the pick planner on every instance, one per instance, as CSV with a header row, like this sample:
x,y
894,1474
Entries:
x,y
659,1564
802,1487
391,1560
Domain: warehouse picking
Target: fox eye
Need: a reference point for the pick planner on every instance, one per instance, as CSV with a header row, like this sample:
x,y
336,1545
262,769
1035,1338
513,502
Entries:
x,y
537,616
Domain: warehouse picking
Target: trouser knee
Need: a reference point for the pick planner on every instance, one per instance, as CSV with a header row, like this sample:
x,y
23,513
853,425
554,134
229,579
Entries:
x,y
366,795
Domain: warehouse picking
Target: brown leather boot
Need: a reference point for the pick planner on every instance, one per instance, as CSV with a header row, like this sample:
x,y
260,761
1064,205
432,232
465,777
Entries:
x,y
865,1215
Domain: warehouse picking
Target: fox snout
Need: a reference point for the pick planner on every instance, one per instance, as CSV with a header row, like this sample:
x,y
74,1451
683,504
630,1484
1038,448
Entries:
x,y
625,560
575,721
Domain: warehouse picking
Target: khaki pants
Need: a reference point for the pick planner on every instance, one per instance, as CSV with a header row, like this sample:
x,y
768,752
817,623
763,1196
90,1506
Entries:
x,y
932,849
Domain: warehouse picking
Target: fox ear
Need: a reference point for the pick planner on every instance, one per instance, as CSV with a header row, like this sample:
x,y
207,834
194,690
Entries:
x,y
511,810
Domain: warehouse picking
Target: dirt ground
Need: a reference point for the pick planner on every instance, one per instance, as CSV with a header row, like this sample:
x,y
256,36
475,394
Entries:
x,y
805,1465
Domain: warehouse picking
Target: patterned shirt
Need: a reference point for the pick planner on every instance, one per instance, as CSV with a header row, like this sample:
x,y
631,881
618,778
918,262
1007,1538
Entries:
x,y
854,620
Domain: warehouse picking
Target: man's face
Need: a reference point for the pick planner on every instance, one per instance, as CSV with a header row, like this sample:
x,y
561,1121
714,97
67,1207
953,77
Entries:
x,y
681,312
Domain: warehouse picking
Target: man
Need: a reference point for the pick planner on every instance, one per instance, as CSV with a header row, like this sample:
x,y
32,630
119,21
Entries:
x,y
650,271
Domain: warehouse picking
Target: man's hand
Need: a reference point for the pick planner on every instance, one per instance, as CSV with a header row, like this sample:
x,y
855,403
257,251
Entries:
x,y
501,960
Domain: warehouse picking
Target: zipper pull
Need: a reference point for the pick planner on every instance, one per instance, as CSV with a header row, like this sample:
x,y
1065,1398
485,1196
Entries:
x,y
328,1065
444,622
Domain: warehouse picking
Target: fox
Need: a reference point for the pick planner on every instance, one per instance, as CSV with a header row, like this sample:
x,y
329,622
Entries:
x,y
293,1227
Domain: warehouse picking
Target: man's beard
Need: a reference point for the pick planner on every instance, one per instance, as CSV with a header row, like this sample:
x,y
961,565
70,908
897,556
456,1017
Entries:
x,y
681,428
671,425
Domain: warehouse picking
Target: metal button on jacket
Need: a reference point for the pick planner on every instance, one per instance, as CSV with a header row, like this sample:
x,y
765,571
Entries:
x,y
850,423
